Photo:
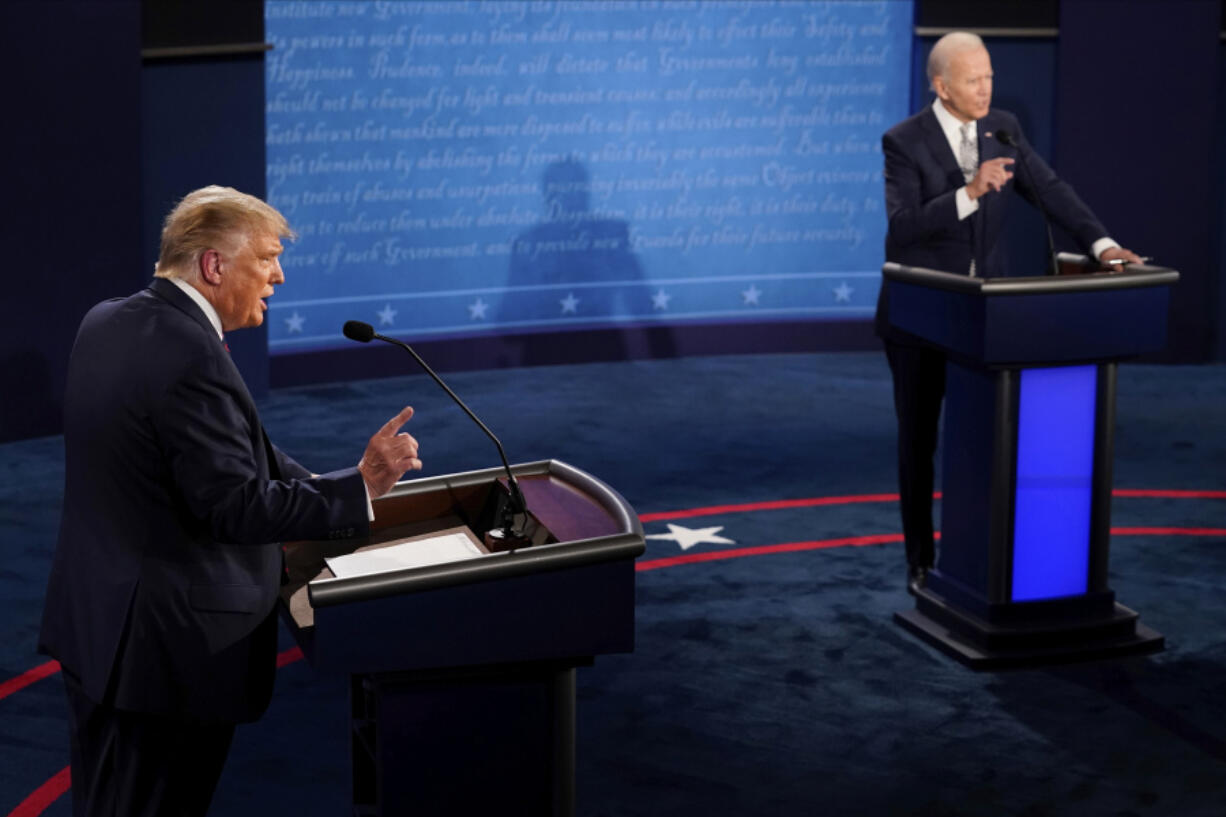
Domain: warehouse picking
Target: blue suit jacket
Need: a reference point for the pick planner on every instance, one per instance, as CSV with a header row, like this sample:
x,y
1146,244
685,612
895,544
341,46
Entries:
x,y
921,179
165,579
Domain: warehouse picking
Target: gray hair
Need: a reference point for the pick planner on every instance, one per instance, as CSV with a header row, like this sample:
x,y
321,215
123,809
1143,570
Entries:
x,y
955,42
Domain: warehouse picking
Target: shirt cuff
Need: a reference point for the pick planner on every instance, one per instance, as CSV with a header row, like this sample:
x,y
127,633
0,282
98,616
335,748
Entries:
x,y
370,508
1100,246
966,206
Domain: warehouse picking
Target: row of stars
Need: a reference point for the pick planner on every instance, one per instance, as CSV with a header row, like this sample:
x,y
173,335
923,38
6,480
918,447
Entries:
x,y
478,309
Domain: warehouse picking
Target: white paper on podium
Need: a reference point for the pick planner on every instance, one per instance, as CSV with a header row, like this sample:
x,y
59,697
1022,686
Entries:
x,y
419,552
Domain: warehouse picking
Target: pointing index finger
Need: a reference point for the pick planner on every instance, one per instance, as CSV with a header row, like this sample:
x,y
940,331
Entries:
x,y
393,425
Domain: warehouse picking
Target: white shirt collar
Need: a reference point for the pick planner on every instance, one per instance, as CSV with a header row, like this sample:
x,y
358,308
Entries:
x,y
951,126
202,302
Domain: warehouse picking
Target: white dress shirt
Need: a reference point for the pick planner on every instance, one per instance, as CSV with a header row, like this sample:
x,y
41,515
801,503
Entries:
x,y
202,302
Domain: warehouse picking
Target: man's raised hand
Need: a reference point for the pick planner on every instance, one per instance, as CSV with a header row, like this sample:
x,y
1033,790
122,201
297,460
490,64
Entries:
x,y
388,455
992,175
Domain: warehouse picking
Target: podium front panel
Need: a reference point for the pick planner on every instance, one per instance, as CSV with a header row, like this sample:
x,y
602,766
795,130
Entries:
x,y
1042,329
1019,322
578,612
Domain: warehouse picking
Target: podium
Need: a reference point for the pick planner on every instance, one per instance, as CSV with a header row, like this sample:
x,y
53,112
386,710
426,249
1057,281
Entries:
x,y
462,674
1022,573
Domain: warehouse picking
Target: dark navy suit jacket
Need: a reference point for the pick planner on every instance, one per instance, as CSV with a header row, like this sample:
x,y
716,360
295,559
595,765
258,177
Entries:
x,y
166,573
921,178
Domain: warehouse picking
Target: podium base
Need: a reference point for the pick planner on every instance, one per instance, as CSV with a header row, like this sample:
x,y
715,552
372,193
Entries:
x,y
984,645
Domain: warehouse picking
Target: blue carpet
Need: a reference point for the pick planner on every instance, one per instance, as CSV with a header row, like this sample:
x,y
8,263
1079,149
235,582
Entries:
x,y
772,684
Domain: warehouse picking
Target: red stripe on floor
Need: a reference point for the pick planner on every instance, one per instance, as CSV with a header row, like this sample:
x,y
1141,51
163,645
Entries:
x,y
289,656
784,504
861,541
788,547
44,795
775,505
28,677
1134,492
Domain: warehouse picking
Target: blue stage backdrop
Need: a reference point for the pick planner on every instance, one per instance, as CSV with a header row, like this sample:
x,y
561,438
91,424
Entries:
x,y
465,168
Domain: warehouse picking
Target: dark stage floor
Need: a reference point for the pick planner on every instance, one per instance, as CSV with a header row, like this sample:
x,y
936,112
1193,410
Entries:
x,y
766,680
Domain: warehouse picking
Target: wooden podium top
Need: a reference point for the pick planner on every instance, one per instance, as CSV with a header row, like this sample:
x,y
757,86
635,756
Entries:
x,y
578,521
1083,280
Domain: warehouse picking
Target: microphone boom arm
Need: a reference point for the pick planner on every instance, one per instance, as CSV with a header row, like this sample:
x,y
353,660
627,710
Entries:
x,y
1053,265
517,498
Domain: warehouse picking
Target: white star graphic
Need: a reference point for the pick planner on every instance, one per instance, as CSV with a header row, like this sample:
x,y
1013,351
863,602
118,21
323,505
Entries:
x,y
476,310
387,315
294,322
688,537
660,300
750,296
842,293
569,304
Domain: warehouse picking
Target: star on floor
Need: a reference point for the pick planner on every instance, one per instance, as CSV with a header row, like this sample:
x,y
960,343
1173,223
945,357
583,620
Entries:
x,y
751,295
842,293
660,299
688,537
294,323
387,315
476,310
570,304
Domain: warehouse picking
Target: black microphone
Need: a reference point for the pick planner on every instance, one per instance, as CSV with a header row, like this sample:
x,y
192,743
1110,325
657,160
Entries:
x,y
361,332
365,333
1006,138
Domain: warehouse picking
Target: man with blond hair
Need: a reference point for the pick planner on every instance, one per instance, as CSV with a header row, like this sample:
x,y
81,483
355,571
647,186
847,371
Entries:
x,y
161,601
948,170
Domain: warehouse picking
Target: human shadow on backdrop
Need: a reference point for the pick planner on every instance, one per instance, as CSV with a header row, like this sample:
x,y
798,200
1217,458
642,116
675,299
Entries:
x,y
575,269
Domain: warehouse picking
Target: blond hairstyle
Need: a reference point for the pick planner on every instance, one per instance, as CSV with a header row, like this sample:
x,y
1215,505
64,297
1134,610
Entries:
x,y
210,218
955,42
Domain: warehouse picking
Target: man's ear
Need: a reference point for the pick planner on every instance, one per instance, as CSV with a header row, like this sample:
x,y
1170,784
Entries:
x,y
210,267
939,88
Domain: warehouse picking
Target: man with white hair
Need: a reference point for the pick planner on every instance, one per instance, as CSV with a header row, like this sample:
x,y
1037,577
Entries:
x,y
947,173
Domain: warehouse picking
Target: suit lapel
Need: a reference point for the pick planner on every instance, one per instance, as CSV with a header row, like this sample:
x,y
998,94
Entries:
x,y
938,147
989,147
181,301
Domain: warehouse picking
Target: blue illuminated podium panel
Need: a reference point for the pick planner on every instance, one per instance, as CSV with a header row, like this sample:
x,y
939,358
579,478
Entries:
x,y
1021,577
